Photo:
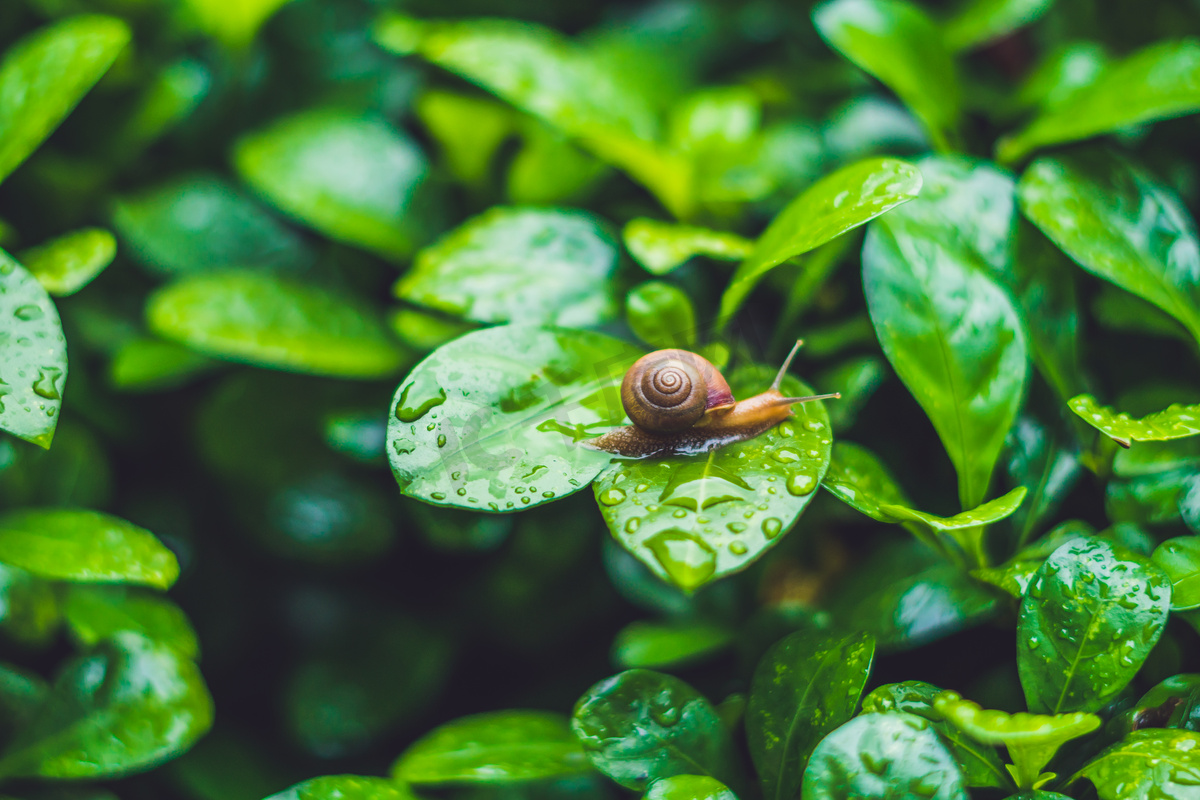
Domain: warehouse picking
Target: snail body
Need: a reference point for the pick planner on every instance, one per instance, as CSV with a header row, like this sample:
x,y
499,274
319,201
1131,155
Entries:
x,y
680,404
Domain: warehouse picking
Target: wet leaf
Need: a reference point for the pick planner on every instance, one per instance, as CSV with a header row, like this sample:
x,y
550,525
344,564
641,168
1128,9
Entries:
x,y
353,178
978,22
695,519
95,613
272,322
34,368
529,265
345,787
1088,620
1116,222
1179,558
641,726
688,787
1120,772
67,264
1158,82
84,547
1015,575
661,315
898,44
125,707
494,420
806,685
839,202
1151,500
882,756
661,247
1174,422
669,644
45,74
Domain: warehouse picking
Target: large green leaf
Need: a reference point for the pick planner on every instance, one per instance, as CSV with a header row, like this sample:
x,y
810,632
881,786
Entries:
x,y
67,264
1088,620
661,247
1174,422
1157,82
694,519
893,755
1179,558
949,330
1118,223
354,178
494,420
268,321
529,265
125,707
95,613
839,202
345,787
1150,764
34,367
84,547
45,74
978,22
897,43
806,685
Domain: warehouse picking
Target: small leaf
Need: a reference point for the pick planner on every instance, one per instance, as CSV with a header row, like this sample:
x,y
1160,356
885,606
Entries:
x,y
688,787
95,613
1158,82
529,265
268,321
978,22
84,547
493,420
1088,620
34,368
67,264
1119,224
1179,558
127,706
806,685
1121,773
345,787
503,747
671,644
661,247
839,202
661,315
641,726
883,756
46,74
897,43
353,178
1174,422
234,22
469,131
146,364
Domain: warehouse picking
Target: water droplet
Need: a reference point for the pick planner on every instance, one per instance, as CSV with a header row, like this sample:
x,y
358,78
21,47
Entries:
x,y
547,495
45,385
641,487
525,499
431,426
688,561
679,513
28,313
771,527
785,456
737,548
801,483
411,410
441,440
632,524
786,430
611,497
813,426
665,717
736,527
461,492
438,495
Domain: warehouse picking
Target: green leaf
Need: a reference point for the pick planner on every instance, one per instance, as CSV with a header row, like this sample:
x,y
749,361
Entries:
x,y
1179,558
1088,620
1158,82
529,265
271,322
499,748
661,247
1043,459
881,756
839,202
493,420
856,379
1154,457
1015,575
978,22
234,22
1174,422
897,43
669,644
806,685
688,787
32,607
34,368
1121,772
345,787
84,547
661,315
1030,739
1061,74
353,178
67,264
46,74
199,223
550,168
126,707
1119,224
469,131
640,726
695,519
146,364
96,613
950,331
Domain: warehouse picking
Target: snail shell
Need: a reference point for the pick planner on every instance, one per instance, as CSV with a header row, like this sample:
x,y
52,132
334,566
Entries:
x,y
670,390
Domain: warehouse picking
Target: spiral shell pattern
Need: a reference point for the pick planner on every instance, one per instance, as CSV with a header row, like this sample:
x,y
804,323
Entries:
x,y
667,390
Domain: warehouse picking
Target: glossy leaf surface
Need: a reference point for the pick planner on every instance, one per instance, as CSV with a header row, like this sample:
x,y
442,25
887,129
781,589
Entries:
x,y
1088,620
1120,772
806,685
661,315
67,264
528,265
271,322
1174,422
497,748
345,787
34,368
661,645
661,247
978,22
1043,459
688,787
95,613
1179,558
85,547
694,519
640,726
494,420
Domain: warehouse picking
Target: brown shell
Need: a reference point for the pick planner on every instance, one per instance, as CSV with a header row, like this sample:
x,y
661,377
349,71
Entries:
x,y
669,390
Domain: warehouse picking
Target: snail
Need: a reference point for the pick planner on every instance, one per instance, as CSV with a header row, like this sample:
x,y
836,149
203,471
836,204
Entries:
x,y
680,404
